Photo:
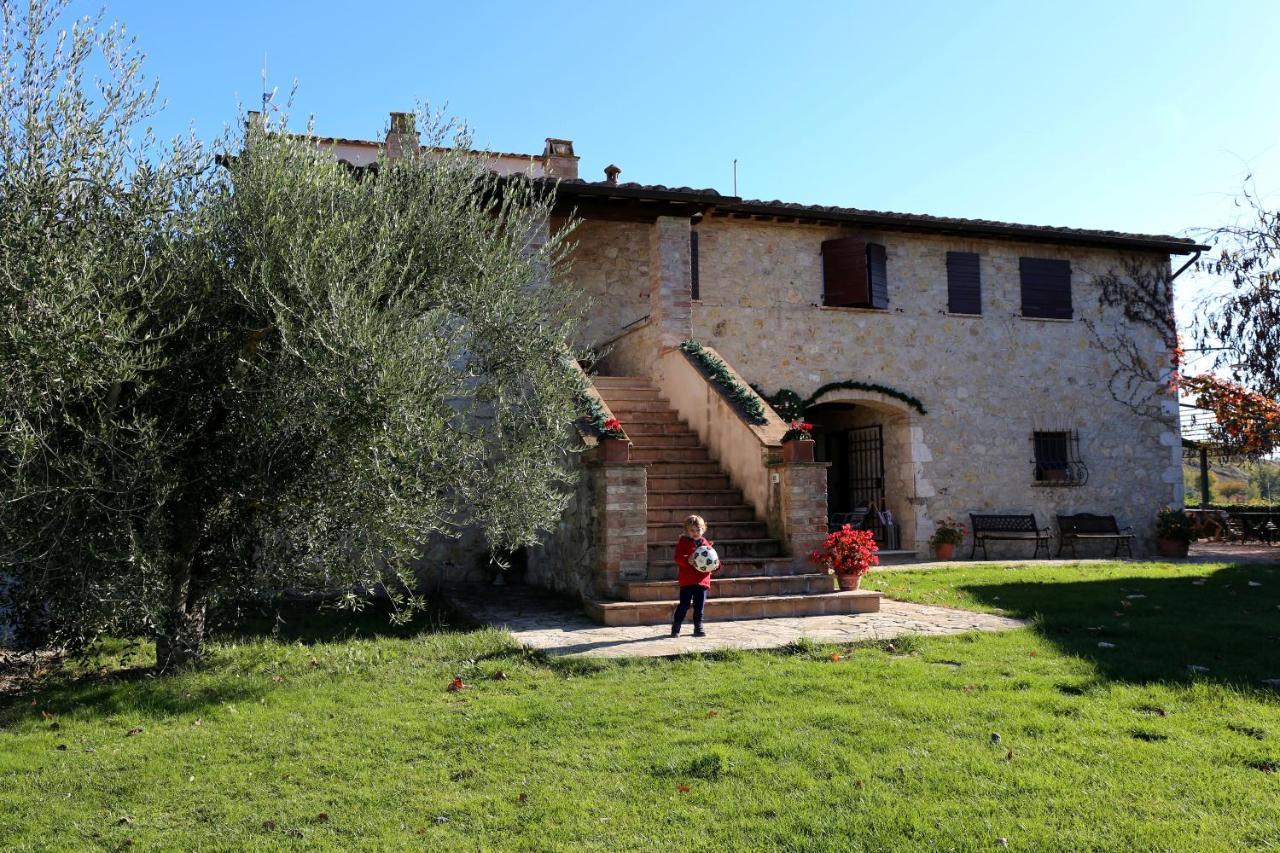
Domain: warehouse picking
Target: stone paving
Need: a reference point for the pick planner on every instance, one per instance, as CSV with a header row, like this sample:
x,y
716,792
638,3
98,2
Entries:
x,y
543,622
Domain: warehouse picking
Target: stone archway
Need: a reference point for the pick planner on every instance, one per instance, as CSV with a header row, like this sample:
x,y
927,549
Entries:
x,y
906,489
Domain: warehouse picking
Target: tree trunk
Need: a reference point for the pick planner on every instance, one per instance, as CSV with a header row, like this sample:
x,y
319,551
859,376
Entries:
x,y
182,637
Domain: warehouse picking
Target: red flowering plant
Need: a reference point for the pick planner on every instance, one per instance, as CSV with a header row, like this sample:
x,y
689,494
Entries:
x,y
847,552
611,428
948,532
800,431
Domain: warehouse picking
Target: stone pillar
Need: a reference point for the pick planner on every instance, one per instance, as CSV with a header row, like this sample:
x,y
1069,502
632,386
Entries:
x,y
670,293
622,519
802,506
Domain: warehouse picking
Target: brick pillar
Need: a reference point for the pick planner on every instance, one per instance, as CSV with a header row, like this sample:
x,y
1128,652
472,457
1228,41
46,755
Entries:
x,y
802,506
402,138
622,518
670,294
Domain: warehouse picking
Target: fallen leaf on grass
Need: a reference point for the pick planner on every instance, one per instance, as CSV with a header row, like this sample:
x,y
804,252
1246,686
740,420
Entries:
x,y
62,747
1009,757
197,723
684,789
969,688
1031,653
277,678
45,715
1193,667
1106,645
124,820
268,825
323,817
136,730
835,656
456,684
499,676
523,798
713,713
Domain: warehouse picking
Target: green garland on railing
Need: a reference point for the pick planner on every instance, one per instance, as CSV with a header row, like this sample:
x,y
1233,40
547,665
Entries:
x,y
789,405
718,372
595,415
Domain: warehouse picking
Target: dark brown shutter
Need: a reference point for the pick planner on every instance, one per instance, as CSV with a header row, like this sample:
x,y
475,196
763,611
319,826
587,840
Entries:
x,y
693,264
878,275
1046,288
844,272
964,285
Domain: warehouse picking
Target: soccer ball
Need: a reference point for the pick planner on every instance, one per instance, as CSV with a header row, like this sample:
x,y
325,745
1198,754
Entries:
x,y
705,559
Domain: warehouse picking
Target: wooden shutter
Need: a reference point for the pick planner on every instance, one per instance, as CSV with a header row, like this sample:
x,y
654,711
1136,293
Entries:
x,y
964,286
844,272
693,265
1046,288
878,275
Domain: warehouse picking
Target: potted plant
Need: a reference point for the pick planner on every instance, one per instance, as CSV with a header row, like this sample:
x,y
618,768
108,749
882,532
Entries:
x,y
797,443
848,554
948,535
614,444
1174,533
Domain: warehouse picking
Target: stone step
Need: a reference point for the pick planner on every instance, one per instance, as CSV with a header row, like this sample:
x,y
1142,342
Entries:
x,y
689,483
623,613
642,429
685,469
664,416
622,381
712,514
750,567
750,529
614,395
689,500
628,406
648,453
659,440
727,587
726,548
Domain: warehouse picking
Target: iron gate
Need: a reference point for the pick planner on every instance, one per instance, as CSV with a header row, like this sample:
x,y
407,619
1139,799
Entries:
x,y
865,480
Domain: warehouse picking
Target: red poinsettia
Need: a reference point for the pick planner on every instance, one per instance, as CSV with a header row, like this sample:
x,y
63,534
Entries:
x,y
847,552
800,431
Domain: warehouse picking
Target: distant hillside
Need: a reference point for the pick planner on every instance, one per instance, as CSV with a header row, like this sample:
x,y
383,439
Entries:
x,y
1235,483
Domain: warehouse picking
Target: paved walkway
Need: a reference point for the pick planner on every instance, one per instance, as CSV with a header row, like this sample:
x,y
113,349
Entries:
x,y
544,622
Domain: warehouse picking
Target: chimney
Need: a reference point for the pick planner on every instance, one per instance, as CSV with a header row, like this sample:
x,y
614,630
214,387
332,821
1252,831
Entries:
x,y
611,173
402,138
558,159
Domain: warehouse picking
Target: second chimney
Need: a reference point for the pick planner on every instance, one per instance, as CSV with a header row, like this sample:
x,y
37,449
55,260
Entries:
x,y
402,138
558,159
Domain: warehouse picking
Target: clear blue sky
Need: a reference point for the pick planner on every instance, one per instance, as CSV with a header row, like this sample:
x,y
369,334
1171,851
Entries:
x,y
1138,116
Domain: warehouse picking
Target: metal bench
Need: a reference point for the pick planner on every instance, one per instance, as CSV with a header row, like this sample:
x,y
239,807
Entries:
x,y
1016,528
1085,526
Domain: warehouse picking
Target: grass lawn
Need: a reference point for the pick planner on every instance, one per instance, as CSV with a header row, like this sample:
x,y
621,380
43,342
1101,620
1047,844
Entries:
x,y
354,742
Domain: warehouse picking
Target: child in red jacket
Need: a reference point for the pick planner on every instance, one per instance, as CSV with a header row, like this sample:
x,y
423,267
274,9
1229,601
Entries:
x,y
693,583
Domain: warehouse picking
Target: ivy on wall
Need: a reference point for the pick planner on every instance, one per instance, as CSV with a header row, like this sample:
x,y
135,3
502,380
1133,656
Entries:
x,y
790,405
717,371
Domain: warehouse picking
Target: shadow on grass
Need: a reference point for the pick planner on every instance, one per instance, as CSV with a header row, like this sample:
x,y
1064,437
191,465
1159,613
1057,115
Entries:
x,y
310,621
1223,626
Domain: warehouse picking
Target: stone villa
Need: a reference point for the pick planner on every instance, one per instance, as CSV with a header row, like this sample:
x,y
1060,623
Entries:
x,y
949,365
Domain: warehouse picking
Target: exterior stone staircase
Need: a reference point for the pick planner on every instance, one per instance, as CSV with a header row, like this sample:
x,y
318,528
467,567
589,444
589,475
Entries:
x,y
756,579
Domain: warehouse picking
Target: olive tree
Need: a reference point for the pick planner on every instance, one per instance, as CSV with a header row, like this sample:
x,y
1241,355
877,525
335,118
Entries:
x,y
269,373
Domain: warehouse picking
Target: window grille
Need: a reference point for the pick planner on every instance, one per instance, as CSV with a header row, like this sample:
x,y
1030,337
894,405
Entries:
x,y
1056,459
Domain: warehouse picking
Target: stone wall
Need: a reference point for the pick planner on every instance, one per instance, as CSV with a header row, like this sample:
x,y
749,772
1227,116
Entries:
x,y
565,560
987,381
610,264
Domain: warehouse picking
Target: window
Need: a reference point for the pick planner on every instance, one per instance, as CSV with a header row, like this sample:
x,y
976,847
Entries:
x,y
964,286
1057,459
1046,288
693,264
854,274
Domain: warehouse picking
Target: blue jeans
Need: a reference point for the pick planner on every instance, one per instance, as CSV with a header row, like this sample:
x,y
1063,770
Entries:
x,y
695,595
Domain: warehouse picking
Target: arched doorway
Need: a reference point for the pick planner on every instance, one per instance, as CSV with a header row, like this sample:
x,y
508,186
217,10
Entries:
x,y
874,463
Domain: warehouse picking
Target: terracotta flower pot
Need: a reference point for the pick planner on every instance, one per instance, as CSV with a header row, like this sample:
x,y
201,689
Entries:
x,y
615,450
1172,547
848,583
799,450
945,550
